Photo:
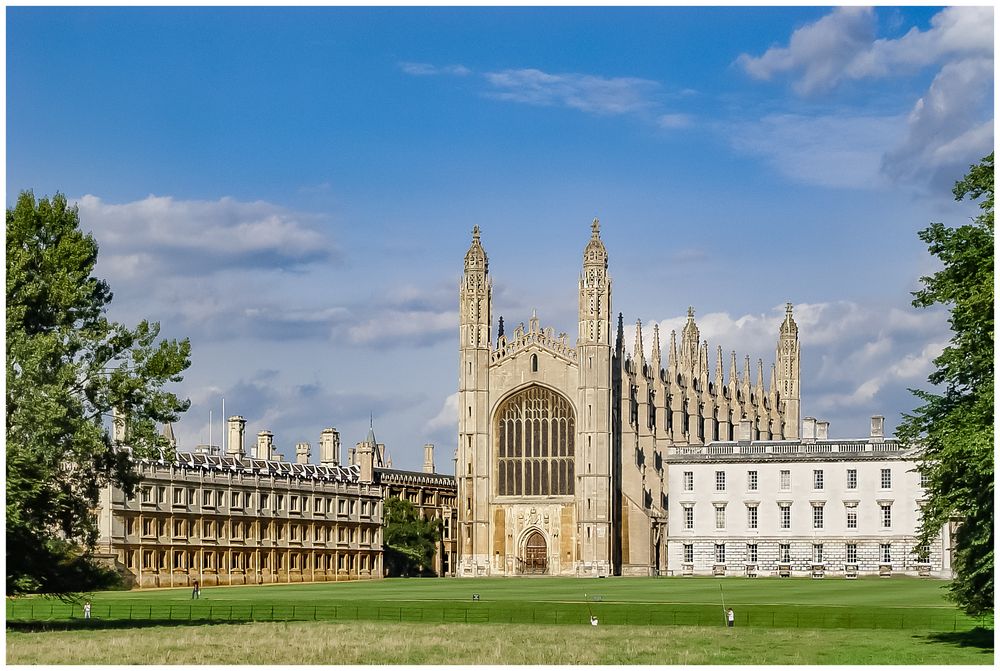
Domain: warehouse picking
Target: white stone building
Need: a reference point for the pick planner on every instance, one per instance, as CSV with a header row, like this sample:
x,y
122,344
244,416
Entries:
x,y
809,507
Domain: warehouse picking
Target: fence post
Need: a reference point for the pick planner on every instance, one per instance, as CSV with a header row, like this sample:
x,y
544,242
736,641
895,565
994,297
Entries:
x,y
251,611
31,615
230,612
314,613
467,616
210,608
130,612
170,613
293,611
272,612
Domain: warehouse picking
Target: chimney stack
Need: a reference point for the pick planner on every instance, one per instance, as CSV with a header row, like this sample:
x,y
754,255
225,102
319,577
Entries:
x,y
823,430
329,447
237,426
429,458
265,445
878,429
302,453
808,429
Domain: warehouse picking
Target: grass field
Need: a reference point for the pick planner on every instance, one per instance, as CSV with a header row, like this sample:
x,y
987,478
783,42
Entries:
x,y
648,621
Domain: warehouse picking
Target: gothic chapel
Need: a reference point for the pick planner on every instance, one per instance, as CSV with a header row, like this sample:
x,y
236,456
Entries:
x,y
561,465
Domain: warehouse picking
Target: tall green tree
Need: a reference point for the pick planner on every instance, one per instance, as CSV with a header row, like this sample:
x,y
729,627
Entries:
x,y
68,369
409,540
955,427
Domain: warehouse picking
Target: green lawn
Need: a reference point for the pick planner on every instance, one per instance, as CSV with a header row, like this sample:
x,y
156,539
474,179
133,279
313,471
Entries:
x,y
514,621
897,603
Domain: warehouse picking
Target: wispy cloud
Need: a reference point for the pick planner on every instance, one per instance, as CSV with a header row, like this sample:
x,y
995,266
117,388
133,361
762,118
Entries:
x,y
843,151
587,93
674,120
428,70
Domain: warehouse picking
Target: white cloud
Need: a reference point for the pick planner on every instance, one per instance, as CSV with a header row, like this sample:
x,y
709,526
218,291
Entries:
x,y
840,151
946,129
949,127
820,52
842,45
428,70
447,418
160,234
404,327
587,93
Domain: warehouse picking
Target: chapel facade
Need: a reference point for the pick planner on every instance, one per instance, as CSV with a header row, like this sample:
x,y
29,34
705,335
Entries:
x,y
561,461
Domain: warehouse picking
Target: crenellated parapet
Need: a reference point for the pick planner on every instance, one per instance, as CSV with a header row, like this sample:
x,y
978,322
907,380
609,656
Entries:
x,y
535,336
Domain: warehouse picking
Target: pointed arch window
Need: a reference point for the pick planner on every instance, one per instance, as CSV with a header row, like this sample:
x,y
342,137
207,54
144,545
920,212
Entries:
x,y
534,444
534,363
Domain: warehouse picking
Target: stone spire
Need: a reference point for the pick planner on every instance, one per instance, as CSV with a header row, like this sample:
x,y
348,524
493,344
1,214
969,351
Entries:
x,y
760,375
718,369
733,375
672,354
703,365
788,372
690,338
656,350
637,353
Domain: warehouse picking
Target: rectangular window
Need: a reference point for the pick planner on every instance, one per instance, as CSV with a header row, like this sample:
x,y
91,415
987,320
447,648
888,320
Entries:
x,y
247,500
293,504
279,503
818,516
925,480
752,553
191,496
688,481
234,500
340,506
886,516
852,478
720,481
924,554
720,516
178,496
148,527
817,479
752,480
720,553
264,501
317,505
688,553
852,553
161,494
751,516
785,515
689,517
784,480
852,518
784,553
146,495
178,528
817,553
885,552
886,478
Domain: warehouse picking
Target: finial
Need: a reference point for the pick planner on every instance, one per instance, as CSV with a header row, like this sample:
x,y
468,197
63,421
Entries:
x,y
788,308
595,229
475,233
690,312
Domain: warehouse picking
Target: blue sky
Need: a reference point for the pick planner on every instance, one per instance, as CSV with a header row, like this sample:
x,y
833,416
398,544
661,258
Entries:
x,y
294,190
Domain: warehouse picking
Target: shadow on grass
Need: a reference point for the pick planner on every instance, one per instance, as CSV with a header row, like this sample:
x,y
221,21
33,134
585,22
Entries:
x,y
979,637
95,623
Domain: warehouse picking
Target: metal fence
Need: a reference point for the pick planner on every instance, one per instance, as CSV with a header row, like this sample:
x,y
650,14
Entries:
x,y
40,611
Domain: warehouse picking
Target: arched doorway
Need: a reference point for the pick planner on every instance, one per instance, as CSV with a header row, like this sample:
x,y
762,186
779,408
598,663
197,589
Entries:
x,y
535,554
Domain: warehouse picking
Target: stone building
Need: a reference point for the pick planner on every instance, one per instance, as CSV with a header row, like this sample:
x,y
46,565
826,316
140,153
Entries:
x,y
432,493
227,519
567,452
809,507
237,518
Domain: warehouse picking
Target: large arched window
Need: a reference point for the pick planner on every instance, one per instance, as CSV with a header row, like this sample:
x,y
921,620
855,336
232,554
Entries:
x,y
534,436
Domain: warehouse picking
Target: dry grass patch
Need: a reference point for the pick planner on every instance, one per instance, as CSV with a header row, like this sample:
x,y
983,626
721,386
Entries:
x,y
407,643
